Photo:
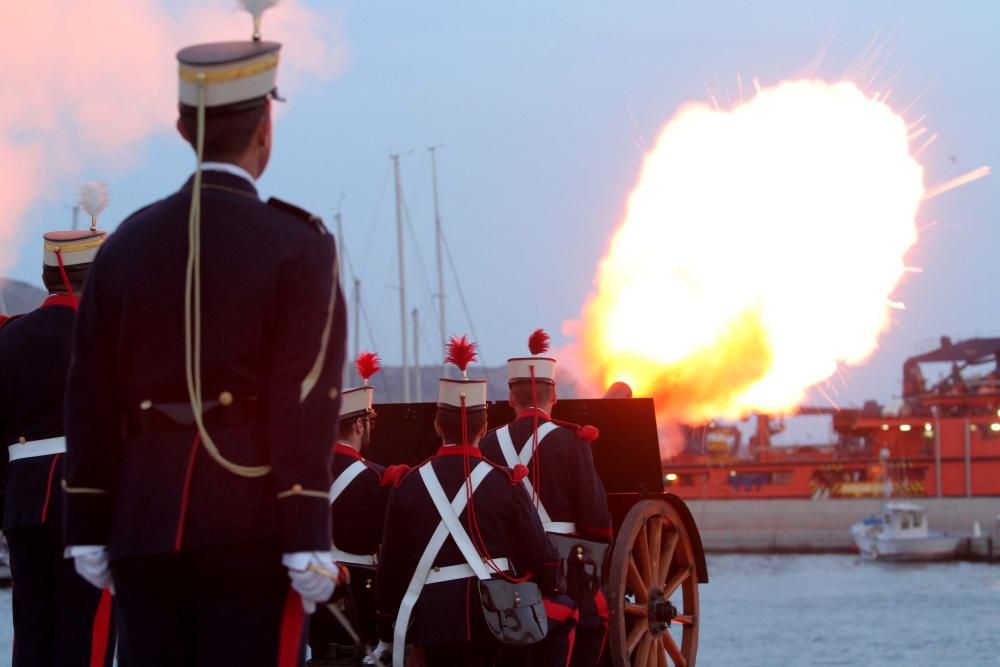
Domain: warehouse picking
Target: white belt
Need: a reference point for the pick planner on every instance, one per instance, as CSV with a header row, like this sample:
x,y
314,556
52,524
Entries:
x,y
352,559
29,450
560,527
461,571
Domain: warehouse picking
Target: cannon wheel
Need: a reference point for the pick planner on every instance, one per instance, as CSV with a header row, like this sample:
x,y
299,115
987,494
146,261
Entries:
x,y
653,590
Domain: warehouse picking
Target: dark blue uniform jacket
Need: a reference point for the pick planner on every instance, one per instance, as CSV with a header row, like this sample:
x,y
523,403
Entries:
x,y
359,512
273,328
509,526
570,488
34,356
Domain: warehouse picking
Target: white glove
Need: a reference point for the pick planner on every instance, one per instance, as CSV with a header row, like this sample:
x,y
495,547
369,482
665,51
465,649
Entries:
x,y
382,655
91,563
314,575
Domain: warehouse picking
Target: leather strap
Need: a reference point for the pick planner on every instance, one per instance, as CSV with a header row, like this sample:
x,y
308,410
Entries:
x,y
512,458
352,559
461,571
29,450
345,478
452,521
423,568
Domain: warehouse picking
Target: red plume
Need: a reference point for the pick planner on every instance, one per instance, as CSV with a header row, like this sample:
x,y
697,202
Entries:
x,y
368,364
461,352
538,342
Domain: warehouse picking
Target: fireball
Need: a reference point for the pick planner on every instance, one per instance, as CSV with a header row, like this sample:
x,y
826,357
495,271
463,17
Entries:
x,y
759,250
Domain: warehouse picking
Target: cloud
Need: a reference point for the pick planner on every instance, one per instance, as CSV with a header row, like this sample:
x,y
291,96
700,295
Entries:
x,y
87,83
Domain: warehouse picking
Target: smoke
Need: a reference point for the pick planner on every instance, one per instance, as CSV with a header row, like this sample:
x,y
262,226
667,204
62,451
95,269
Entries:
x,y
87,83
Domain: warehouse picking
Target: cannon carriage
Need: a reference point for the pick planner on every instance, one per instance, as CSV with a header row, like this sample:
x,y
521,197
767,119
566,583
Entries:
x,y
657,561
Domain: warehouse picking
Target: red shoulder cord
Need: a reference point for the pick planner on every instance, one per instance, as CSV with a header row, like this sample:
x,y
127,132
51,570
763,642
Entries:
x,y
65,279
477,537
536,468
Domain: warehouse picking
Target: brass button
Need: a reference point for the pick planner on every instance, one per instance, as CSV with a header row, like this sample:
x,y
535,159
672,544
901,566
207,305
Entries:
x,y
296,488
334,393
225,398
22,440
368,584
146,404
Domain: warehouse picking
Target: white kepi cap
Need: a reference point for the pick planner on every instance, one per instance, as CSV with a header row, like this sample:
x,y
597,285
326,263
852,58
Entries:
x,y
537,368
463,393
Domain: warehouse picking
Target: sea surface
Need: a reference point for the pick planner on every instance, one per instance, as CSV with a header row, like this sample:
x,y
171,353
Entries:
x,y
773,611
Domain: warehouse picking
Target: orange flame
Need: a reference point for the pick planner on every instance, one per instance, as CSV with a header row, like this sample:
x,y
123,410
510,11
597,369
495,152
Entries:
x,y
759,249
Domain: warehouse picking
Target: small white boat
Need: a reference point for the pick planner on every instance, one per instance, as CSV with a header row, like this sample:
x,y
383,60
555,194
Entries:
x,y
901,533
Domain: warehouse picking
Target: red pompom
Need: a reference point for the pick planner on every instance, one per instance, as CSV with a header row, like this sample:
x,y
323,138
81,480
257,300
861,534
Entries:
x,y
588,433
368,364
461,352
538,342
393,475
518,473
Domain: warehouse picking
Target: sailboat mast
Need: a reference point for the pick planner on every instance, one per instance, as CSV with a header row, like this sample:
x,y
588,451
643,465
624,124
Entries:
x,y
342,257
357,317
402,281
439,239
416,354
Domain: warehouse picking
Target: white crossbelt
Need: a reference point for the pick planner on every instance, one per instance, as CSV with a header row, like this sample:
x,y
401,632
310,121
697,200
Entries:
x,y
29,450
339,485
422,573
512,458
461,571
345,478
352,559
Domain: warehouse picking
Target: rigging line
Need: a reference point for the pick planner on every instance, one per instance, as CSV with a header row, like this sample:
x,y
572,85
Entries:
x,y
465,305
416,245
374,345
376,215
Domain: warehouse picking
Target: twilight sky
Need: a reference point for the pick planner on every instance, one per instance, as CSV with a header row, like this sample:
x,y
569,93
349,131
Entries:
x,y
543,111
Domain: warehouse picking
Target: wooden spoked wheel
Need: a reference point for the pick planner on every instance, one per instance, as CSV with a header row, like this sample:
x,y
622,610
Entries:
x,y
653,590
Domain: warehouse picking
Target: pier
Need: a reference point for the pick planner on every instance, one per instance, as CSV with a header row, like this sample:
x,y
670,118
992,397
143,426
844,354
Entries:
x,y
823,526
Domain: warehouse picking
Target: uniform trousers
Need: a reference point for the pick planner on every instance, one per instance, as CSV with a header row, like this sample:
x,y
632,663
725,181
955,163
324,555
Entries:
x,y
591,629
205,608
60,620
325,630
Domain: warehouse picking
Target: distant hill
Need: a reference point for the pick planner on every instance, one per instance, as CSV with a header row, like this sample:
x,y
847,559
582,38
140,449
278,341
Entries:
x,y
388,383
18,297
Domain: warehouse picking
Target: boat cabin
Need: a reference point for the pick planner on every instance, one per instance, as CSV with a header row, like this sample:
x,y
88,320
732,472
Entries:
x,y
904,520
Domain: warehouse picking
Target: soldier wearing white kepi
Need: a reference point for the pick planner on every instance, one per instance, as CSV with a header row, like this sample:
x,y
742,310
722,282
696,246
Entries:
x,y
203,395
358,498
461,537
564,487
59,619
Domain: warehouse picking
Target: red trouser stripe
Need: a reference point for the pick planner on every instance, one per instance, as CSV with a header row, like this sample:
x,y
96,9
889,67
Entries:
x,y
185,494
101,632
292,621
48,487
558,612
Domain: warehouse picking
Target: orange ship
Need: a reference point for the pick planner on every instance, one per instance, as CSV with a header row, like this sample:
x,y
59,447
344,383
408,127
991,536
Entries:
x,y
942,441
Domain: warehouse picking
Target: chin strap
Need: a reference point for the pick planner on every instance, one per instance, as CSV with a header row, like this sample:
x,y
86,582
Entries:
x,y
65,279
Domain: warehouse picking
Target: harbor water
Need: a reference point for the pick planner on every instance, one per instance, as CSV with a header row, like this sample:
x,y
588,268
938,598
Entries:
x,y
777,611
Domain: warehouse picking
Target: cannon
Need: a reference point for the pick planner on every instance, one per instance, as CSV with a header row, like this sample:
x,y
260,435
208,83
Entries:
x,y
657,561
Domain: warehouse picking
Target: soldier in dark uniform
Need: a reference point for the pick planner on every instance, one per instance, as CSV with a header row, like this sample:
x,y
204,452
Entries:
x,y
499,535
564,485
358,498
59,619
203,396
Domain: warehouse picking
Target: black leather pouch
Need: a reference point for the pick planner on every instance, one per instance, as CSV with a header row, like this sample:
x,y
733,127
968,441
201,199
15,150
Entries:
x,y
514,612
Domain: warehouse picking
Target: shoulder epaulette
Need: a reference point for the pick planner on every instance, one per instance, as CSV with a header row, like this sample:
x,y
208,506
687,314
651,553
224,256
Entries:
x,y
515,474
394,475
299,213
585,432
